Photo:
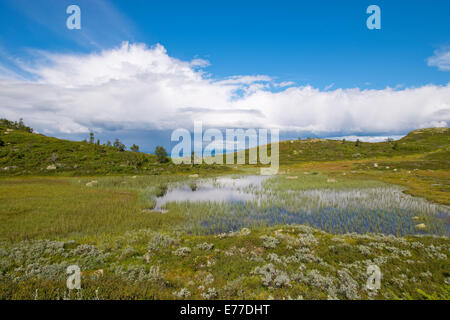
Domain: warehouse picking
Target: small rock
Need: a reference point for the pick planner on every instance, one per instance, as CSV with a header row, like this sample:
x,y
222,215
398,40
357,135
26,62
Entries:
x,y
51,167
147,257
99,272
420,226
92,183
291,177
193,175
331,180
375,165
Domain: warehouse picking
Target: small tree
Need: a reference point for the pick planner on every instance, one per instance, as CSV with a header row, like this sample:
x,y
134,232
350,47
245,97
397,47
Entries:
x,y
161,154
134,148
98,142
119,145
108,143
357,143
395,146
91,137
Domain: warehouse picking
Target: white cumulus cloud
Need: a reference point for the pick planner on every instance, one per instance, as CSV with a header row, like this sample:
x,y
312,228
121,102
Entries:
x,y
135,87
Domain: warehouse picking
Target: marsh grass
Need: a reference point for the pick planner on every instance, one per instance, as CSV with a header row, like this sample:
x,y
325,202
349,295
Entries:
x,y
59,208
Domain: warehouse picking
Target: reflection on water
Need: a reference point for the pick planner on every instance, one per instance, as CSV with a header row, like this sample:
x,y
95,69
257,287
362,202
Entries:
x,y
223,189
229,203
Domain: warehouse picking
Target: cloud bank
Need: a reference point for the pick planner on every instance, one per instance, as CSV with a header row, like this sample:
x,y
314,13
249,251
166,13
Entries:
x,y
135,87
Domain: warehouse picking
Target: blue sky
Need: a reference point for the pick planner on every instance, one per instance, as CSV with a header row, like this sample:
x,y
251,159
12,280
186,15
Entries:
x,y
309,42
322,44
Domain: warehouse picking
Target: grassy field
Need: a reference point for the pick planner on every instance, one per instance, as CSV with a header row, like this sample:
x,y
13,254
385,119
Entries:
x,y
129,252
378,208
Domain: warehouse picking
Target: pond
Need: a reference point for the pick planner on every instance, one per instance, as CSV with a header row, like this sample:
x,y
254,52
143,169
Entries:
x,y
229,203
223,189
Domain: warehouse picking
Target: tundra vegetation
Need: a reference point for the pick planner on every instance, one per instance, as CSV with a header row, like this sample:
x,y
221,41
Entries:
x,y
311,232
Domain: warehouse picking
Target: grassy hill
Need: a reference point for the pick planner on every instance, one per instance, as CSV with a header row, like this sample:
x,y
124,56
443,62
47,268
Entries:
x,y
23,152
433,143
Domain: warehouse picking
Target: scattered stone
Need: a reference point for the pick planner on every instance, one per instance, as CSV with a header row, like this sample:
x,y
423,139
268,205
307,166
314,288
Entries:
x,y
420,226
51,167
291,177
375,165
10,168
244,232
193,175
99,272
92,183
331,180
147,257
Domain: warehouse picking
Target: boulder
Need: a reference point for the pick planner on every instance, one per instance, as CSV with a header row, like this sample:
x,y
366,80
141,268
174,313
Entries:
x,y
420,226
92,183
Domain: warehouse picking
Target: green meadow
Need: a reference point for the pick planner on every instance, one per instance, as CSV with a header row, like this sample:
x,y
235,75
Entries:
x,y
140,229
